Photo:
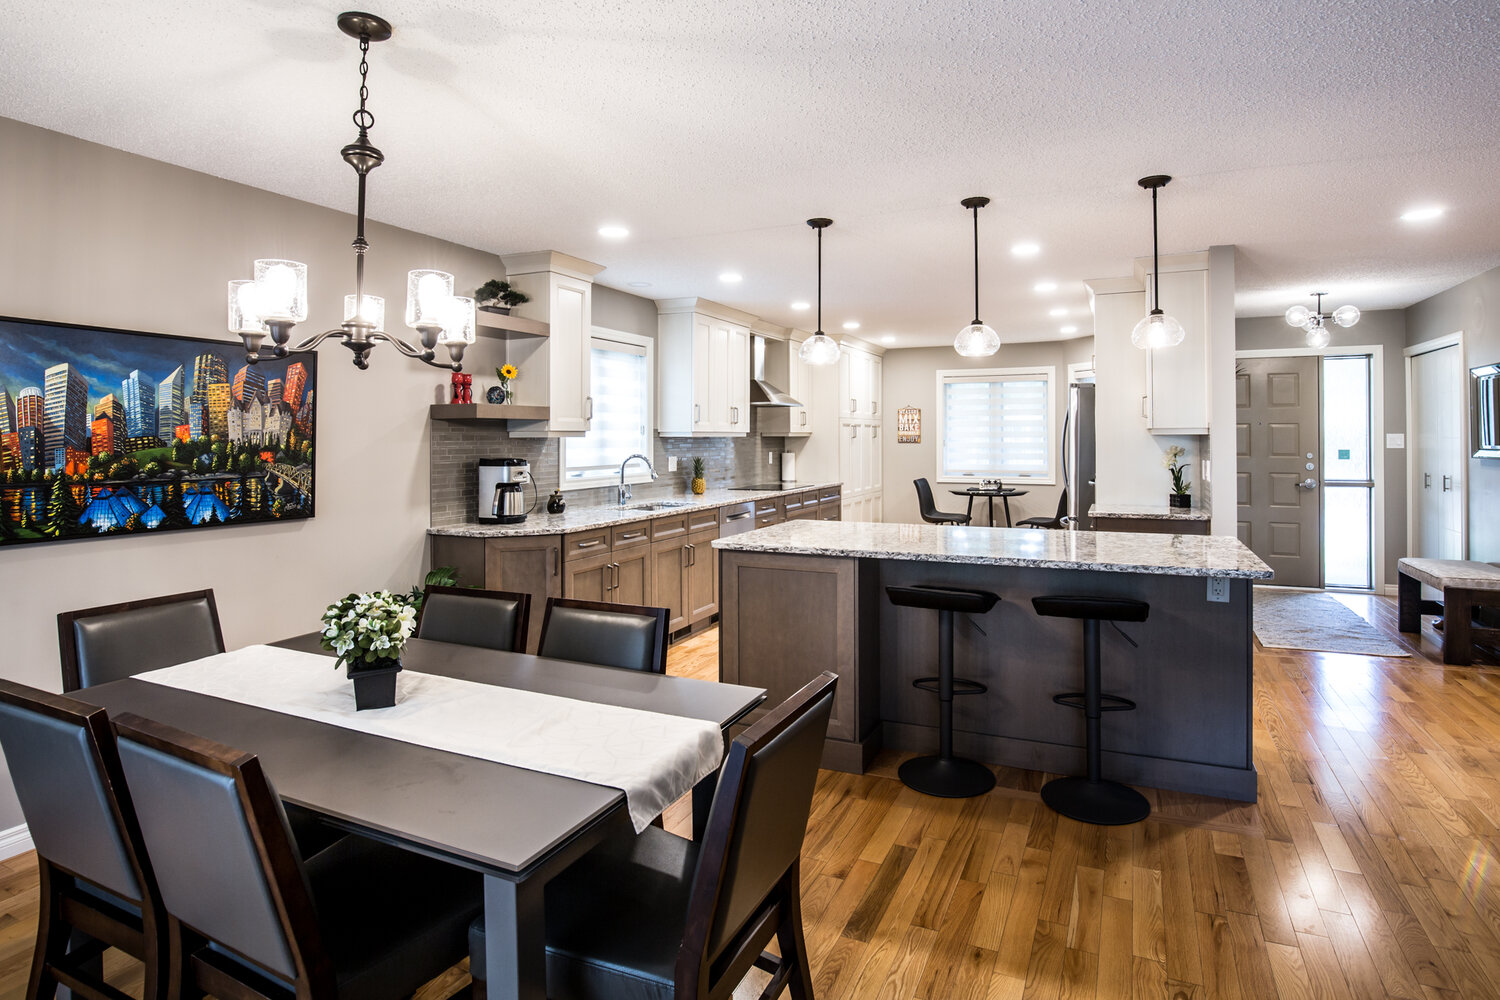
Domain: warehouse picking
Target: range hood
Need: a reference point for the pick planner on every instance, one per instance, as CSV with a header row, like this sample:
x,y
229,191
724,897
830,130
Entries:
x,y
762,391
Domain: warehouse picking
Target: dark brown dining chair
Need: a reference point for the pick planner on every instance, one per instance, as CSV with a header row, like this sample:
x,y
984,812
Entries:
x,y
248,918
97,889
108,643
610,635
928,509
658,917
1055,521
494,619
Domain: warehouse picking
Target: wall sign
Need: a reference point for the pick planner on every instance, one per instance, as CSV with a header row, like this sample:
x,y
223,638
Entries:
x,y
909,425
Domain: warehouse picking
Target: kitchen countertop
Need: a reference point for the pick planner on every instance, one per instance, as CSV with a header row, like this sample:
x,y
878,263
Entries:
x,y
585,517
1149,512
1105,551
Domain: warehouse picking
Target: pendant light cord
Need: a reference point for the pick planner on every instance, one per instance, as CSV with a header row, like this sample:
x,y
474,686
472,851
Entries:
x,y
976,266
820,282
1155,257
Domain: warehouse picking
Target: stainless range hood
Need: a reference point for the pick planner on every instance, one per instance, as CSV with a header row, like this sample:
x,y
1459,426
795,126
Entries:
x,y
763,392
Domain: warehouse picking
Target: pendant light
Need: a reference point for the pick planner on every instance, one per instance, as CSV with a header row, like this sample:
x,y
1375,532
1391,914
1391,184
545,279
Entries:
x,y
1315,321
819,349
976,340
1157,329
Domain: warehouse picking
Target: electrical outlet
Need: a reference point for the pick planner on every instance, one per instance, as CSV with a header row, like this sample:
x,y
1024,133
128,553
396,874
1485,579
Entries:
x,y
671,463
1218,589
770,458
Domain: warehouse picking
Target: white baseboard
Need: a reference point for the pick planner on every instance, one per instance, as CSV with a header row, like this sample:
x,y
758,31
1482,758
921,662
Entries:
x,y
1392,590
16,840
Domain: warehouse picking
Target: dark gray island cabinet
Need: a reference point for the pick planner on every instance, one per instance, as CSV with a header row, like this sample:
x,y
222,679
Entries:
x,y
806,596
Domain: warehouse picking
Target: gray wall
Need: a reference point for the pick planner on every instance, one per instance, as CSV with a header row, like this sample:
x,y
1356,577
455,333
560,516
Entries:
x,y
1386,328
909,378
1474,308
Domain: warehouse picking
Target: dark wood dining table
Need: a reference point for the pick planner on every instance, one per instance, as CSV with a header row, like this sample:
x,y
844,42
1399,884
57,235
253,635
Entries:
x,y
1003,493
518,828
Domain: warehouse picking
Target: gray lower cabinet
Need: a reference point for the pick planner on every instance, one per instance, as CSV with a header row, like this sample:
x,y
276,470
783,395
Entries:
x,y
609,565
684,571
531,564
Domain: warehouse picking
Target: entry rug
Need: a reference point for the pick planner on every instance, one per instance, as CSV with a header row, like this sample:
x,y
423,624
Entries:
x,y
1318,622
653,758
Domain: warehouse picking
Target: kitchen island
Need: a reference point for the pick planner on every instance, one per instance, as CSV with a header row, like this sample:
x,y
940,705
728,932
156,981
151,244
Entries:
x,y
801,597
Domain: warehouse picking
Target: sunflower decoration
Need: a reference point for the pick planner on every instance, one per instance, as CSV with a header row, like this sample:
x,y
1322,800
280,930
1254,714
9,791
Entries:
x,y
507,372
502,393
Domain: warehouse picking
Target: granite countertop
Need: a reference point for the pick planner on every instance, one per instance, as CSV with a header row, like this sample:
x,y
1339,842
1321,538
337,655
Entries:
x,y
1148,512
583,517
1106,551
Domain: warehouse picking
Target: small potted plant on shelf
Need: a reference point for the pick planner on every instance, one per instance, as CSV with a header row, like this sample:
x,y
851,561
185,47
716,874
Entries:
x,y
1181,495
502,393
367,633
699,483
497,296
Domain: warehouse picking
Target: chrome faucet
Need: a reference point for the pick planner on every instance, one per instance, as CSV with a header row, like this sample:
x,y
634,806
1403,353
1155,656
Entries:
x,y
625,490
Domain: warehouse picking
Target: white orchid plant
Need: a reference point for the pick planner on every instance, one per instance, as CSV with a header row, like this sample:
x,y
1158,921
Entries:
x,y
365,629
1180,484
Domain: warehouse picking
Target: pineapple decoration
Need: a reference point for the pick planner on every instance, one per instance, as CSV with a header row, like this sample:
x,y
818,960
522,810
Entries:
x,y
699,483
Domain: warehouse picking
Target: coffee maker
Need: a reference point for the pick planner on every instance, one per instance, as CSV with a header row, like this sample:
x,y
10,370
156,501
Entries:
x,y
502,482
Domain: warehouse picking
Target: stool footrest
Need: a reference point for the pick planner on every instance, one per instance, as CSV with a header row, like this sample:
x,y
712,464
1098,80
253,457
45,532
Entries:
x,y
960,685
1107,702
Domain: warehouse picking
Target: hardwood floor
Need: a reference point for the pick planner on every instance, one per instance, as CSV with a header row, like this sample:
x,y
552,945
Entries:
x,y
1364,871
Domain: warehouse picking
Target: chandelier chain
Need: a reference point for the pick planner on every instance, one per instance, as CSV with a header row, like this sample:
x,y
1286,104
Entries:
x,y
364,119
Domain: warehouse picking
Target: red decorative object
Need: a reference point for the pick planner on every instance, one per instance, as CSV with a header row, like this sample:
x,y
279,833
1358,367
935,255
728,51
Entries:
x,y
458,387
468,388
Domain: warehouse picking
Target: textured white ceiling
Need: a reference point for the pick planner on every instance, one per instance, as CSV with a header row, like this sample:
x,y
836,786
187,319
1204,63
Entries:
x,y
1297,131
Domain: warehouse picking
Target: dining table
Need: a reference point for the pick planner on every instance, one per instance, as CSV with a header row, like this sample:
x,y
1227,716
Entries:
x,y
1003,493
517,827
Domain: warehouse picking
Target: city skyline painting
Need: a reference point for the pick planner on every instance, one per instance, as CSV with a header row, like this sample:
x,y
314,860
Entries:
x,y
108,432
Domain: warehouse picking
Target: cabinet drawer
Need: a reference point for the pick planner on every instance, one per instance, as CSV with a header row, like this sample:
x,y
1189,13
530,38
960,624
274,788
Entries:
x,y
791,502
766,520
809,497
585,543
830,494
770,505
628,535
830,511
804,513
669,527
699,520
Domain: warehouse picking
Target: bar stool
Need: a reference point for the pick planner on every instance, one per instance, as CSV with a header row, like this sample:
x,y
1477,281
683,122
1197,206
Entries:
x,y
1091,799
945,775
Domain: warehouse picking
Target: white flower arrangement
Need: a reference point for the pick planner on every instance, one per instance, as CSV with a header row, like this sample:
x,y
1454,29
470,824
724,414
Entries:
x,y
1180,485
365,629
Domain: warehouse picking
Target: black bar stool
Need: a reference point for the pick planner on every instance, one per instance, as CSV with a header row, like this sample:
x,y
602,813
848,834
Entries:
x,y
946,775
1091,799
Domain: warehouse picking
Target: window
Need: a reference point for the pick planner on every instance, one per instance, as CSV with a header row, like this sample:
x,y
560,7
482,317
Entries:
x,y
620,376
996,423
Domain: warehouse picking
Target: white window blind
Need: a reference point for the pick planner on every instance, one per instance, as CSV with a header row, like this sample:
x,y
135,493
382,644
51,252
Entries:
x,y
621,426
996,424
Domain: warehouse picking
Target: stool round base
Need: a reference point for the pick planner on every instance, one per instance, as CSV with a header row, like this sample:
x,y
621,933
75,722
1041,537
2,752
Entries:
x,y
949,778
1103,803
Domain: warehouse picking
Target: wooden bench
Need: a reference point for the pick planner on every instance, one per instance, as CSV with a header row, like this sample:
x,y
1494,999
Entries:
x,y
1466,585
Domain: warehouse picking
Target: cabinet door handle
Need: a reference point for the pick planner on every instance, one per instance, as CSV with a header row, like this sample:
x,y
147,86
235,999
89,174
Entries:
x,y
852,407
697,414
874,406
1143,405
1447,483
692,555
626,536
614,572
853,431
875,432
683,559
590,544
556,560
804,418
590,401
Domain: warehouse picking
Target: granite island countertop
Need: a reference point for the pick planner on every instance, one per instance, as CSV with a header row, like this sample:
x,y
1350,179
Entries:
x,y
1103,551
1150,512
583,517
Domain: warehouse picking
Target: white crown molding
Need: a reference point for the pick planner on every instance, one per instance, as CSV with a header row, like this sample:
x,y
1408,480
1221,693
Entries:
x,y
708,307
540,261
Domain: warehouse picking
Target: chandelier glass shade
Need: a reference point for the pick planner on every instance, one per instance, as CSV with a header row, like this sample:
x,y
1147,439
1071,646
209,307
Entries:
x,y
978,339
275,300
1156,329
1315,321
819,349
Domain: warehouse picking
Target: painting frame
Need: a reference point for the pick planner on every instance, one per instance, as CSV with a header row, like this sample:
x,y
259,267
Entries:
x,y
909,425
108,432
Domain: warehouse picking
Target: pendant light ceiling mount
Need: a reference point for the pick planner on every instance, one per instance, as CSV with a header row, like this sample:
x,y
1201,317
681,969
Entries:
x,y
976,340
1157,329
819,349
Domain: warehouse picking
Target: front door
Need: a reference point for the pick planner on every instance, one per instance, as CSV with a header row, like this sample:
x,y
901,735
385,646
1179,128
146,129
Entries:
x,y
1276,440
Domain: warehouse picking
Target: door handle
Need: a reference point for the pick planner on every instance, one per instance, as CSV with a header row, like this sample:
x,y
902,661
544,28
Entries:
x,y
1447,483
1308,484
1426,480
697,413
804,418
852,407
556,560
590,401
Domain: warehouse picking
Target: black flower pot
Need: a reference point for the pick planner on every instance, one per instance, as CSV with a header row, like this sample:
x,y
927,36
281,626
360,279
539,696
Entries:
x,y
1183,500
498,310
374,685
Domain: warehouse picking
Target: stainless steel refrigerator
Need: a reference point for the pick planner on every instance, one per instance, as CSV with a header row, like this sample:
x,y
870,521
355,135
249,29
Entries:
x,y
1078,454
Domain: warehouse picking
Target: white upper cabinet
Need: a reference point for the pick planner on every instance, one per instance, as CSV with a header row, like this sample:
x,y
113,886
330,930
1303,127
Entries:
x,y
555,368
786,370
703,369
1177,377
859,384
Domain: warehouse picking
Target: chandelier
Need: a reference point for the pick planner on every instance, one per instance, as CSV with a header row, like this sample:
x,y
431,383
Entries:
x,y
1315,321
275,300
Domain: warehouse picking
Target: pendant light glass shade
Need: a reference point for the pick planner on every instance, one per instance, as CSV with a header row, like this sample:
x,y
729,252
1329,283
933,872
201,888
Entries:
x,y
976,341
819,349
1157,330
1346,315
1298,316
1318,336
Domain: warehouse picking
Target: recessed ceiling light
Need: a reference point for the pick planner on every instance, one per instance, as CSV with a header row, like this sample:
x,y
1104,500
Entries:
x,y
1044,287
1424,214
613,232
1059,311
731,278
1025,249
851,324
1067,329
801,306
639,284
888,339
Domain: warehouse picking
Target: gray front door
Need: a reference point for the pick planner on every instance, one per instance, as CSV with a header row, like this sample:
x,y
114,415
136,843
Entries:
x,y
1277,479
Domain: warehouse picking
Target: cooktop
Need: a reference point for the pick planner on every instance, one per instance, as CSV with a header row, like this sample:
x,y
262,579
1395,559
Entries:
x,y
766,487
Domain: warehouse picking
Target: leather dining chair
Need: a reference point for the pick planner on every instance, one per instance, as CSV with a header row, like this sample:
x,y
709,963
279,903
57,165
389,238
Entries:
x,y
610,635
494,619
658,917
96,885
1054,522
108,643
248,918
929,510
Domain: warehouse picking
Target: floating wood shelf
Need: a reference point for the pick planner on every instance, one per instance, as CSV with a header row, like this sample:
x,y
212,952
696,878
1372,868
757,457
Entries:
x,y
487,411
494,324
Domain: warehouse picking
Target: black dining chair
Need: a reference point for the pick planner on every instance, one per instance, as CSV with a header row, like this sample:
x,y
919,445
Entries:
x,y
610,635
109,643
494,619
1056,521
929,510
658,917
96,885
248,918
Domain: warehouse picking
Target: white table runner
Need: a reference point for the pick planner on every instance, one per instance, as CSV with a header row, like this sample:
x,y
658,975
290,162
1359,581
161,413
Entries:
x,y
653,758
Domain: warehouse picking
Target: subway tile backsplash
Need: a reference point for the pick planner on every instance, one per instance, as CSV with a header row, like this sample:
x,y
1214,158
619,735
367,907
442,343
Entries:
x,y
458,446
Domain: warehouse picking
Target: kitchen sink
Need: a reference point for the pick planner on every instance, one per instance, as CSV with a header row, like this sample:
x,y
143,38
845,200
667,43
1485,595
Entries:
x,y
660,505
